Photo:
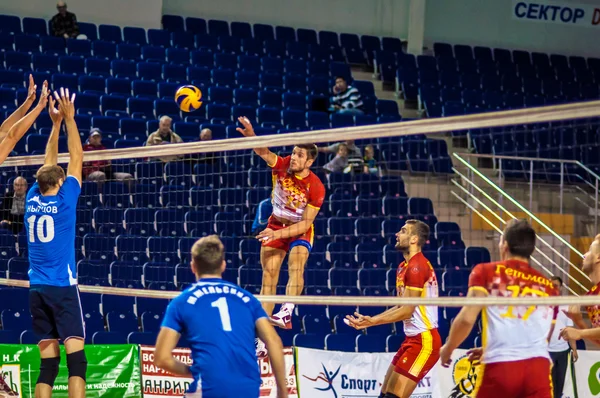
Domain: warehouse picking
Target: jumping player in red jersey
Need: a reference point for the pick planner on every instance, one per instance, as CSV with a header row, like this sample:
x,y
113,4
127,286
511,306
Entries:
x,y
515,355
297,197
591,266
420,350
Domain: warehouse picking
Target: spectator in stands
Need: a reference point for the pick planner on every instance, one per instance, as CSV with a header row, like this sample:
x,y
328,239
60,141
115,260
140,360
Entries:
x,y
13,206
206,157
263,212
164,135
346,99
64,24
339,162
353,150
101,170
369,162
206,135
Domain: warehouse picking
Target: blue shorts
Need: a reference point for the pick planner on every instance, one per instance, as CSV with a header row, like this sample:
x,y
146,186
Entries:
x,y
56,312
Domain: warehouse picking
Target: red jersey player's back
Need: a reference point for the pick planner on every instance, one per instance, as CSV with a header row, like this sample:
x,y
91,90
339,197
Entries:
x,y
513,333
594,310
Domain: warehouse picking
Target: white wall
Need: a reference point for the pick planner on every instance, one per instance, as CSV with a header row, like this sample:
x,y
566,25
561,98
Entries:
x,y
490,23
144,13
373,17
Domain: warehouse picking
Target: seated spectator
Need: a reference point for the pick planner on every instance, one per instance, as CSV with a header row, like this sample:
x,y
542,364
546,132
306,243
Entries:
x,y
346,99
263,212
13,206
206,135
353,150
164,135
206,157
339,162
369,162
64,24
100,170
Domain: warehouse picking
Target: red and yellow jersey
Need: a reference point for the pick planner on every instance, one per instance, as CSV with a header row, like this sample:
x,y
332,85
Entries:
x,y
594,310
418,275
513,333
291,194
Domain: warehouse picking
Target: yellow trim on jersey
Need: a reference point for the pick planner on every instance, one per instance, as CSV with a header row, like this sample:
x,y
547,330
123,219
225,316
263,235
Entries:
x,y
480,289
417,289
312,235
424,354
478,381
274,164
314,207
423,313
484,327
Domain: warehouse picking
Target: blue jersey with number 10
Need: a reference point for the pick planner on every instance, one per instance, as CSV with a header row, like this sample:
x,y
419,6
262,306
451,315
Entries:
x,y
218,319
50,226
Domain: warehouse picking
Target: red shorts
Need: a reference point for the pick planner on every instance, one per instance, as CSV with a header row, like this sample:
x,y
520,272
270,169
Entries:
x,y
528,378
305,240
418,354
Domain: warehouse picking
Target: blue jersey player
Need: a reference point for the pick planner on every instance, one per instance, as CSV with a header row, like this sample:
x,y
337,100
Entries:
x,y
54,302
220,321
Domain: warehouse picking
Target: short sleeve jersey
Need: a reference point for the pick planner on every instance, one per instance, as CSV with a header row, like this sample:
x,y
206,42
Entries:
x,y
513,333
218,319
292,194
50,227
594,310
418,275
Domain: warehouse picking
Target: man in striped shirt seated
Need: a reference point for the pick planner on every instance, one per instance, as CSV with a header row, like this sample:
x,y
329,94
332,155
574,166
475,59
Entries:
x,y
346,99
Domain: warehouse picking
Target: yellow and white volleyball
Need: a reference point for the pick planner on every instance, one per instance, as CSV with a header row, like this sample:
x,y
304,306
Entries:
x,y
188,98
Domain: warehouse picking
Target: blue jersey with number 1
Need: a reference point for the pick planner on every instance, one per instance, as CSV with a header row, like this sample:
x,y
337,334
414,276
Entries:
x,y
50,226
218,319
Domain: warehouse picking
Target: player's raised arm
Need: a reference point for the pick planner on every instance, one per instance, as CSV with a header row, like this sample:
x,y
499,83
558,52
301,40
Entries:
x,y
67,109
52,146
248,131
21,111
267,333
18,130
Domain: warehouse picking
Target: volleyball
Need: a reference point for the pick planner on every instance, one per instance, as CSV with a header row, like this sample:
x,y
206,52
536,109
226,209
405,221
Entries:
x,y
188,98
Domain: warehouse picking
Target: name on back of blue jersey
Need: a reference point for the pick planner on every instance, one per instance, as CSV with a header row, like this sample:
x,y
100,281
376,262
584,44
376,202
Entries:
x,y
205,290
42,207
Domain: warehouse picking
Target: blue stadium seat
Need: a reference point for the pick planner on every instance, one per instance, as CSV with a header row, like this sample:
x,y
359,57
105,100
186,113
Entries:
x,y
96,67
207,42
134,35
27,43
340,342
93,272
174,73
18,61
183,41
94,322
195,25
123,69
263,32
89,84
125,274
163,249
98,247
88,29
35,26
228,224
159,273
172,23
51,45
16,320
110,33
104,49
370,343
122,322
420,206
17,268
223,77
153,54
180,56
309,341
109,338
71,65
316,324
117,101
131,248
218,27
151,321
477,255
146,338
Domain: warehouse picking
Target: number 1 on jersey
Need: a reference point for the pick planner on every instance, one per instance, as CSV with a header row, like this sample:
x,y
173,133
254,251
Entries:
x,y
221,304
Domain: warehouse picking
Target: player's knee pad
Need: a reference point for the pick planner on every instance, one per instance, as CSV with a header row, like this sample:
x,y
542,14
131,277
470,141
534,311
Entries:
x,y
390,395
77,364
48,371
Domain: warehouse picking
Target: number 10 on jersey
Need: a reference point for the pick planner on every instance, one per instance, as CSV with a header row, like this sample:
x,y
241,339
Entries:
x,y
42,226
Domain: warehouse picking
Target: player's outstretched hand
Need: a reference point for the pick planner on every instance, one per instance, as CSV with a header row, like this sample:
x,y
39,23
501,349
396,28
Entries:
x,y
31,89
55,115
359,321
43,95
570,333
66,103
248,130
445,356
475,354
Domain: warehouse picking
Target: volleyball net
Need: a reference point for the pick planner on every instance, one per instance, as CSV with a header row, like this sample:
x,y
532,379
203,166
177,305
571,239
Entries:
x,y
142,208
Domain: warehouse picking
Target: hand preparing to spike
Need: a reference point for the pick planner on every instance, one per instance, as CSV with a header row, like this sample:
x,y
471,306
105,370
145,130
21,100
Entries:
x,y
43,96
65,103
31,89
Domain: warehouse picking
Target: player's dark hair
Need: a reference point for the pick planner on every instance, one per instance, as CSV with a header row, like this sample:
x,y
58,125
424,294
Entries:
x,y
48,177
520,238
420,229
558,279
311,150
340,77
208,254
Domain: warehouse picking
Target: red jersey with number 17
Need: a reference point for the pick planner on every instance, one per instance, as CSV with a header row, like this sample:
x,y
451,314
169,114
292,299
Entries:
x,y
513,333
291,194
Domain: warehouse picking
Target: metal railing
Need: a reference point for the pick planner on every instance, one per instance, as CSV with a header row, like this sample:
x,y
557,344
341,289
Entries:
x,y
472,187
594,184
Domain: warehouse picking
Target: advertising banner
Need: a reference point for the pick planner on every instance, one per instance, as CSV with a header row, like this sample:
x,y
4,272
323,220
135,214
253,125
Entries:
x,y
587,374
158,383
332,374
113,371
549,11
